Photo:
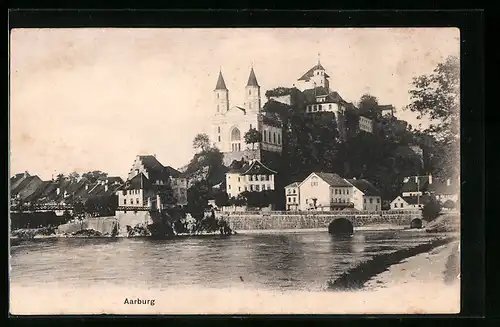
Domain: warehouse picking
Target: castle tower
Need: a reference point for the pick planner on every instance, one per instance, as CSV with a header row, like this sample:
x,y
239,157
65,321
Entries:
x,y
252,93
320,78
221,94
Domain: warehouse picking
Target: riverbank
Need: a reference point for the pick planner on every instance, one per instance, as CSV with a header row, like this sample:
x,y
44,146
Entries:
x,y
356,278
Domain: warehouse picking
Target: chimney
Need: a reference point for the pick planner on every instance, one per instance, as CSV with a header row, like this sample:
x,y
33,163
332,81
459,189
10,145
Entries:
x,y
430,179
58,191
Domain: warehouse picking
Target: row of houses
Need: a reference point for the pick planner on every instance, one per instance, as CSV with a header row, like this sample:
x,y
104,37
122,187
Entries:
x,y
28,189
331,192
146,181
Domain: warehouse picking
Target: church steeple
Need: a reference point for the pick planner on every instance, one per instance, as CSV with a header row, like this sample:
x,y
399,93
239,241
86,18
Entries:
x,y
221,95
252,80
221,85
252,102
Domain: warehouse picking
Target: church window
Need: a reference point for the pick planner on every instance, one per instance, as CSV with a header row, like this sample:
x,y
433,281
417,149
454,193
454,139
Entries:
x,y
219,138
235,134
218,129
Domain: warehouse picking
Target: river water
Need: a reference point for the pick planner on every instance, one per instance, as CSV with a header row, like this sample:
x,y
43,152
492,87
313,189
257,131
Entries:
x,y
303,261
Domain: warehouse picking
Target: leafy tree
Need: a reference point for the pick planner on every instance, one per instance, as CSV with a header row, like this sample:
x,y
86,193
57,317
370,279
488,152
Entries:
x,y
368,106
60,178
197,196
74,176
253,136
436,96
201,142
449,204
94,176
431,210
221,199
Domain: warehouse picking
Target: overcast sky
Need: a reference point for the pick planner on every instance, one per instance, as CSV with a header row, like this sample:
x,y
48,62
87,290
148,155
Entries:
x,y
92,99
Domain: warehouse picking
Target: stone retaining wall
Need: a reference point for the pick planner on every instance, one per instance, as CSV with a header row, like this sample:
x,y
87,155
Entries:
x,y
271,220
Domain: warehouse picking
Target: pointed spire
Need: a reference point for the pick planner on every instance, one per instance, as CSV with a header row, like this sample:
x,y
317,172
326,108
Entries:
x,y
319,55
221,85
252,80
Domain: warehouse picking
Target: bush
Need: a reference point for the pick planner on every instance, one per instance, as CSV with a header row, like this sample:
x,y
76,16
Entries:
x,y
449,204
431,210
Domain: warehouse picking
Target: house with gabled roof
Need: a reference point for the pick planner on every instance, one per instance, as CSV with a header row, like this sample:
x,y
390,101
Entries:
x,y
251,176
409,202
160,175
24,189
325,192
365,195
292,196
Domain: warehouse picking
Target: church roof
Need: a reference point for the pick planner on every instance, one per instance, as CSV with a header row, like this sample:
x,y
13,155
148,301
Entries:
x,y
252,80
221,85
310,73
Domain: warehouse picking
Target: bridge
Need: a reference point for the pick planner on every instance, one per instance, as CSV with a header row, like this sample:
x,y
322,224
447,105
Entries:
x,y
328,220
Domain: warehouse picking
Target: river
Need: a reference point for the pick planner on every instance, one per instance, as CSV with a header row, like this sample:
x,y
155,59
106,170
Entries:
x,y
298,261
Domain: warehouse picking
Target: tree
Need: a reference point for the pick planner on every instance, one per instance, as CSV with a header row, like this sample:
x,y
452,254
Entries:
x,y
201,142
431,210
74,176
197,196
60,178
94,176
221,199
253,136
436,96
368,105
449,204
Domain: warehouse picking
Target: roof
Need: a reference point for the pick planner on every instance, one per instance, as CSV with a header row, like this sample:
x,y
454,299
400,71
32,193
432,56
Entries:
x,y
333,179
441,187
17,177
252,80
310,73
411,185
386,107
257,168
25,182
294,184
138,182
416,200
333,96
173,172
221,85
114,179
38,192
365,186
156,171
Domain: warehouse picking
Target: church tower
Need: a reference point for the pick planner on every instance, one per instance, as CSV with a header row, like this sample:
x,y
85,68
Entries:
x,y
319,77
221,96
252,93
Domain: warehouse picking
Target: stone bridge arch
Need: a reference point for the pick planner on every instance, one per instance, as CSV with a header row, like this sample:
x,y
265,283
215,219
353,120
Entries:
x,y
341,226
416,223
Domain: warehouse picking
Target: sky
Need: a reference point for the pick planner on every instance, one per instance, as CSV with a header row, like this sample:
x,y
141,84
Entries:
x,y
93,99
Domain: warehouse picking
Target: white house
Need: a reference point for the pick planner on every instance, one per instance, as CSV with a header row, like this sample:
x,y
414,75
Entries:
x,y
409,202
292,197
160,175
365,195
365,124
325,192
252,176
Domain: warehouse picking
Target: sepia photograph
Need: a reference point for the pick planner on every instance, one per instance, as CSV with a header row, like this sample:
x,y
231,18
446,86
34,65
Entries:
x,y
234,171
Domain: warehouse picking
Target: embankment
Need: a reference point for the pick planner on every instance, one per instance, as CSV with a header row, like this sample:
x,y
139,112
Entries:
x,y
307,220
356,278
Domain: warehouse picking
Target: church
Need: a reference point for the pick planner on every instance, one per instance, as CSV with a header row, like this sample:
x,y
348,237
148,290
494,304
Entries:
x,y
230,123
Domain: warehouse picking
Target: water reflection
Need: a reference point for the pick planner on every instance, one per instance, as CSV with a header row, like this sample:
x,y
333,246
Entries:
x,y
305,260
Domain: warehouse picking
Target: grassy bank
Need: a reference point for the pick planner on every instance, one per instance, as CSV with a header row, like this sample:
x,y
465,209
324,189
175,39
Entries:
x,y
356,278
